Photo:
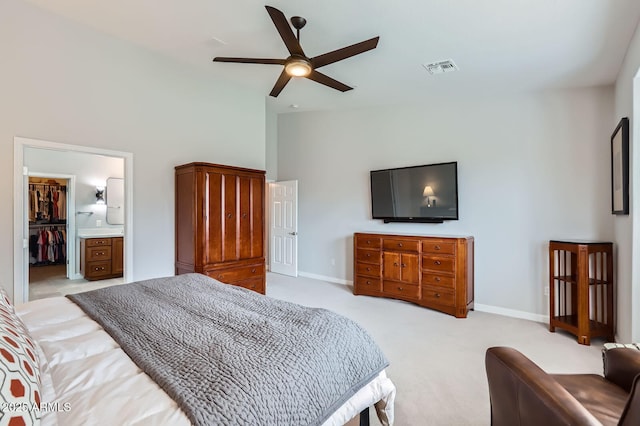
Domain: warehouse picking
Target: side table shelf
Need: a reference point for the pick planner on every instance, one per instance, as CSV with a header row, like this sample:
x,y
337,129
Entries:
x,y
581,289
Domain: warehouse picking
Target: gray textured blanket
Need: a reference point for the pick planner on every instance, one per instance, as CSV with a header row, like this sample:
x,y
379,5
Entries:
x,y
229,356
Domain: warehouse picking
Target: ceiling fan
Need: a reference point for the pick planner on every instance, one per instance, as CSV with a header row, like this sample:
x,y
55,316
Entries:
x,y
298,64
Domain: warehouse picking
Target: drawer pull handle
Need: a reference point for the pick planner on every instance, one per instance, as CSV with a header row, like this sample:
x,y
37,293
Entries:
x,y
437,247
395,263
399,288
437,279
244,215
368,282
368,241
437,262
253,271
368,269
404,265
437,294
98,269
229,216
399,244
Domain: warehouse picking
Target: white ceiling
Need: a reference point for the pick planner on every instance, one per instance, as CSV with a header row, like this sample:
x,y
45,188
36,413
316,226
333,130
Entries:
x,y
499,45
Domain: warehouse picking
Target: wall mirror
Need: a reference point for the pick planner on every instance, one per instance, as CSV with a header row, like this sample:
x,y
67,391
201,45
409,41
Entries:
x,y
115,201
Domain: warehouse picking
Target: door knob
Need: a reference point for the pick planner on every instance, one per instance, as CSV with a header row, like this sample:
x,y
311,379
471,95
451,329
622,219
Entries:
x,y
293,233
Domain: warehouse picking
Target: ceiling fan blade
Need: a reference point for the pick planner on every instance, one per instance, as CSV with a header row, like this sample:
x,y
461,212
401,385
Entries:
x,y
318,77
283,27
250,60
282,81
344,53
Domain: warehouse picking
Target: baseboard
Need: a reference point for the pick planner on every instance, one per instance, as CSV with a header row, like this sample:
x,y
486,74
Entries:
x,y
325,278
477,306
511,313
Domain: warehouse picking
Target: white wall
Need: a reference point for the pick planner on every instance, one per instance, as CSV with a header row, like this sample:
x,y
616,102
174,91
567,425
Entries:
x,y
63,82
90,171
627,235
531,168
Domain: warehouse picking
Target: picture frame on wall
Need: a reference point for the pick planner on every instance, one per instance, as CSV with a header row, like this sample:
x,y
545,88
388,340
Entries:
x,y
620,168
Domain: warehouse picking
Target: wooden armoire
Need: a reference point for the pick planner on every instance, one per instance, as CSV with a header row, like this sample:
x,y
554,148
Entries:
x,y
220,223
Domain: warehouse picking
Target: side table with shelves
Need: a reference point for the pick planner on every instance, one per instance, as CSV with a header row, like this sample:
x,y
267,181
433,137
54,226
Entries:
x,y
581,289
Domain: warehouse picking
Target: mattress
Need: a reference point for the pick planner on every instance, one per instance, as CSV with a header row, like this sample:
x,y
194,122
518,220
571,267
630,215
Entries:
x,y
87,379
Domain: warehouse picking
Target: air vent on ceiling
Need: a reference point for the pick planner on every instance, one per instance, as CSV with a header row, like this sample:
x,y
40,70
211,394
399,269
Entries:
x,y
441,67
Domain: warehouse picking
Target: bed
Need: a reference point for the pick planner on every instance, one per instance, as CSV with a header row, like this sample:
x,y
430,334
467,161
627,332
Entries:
x,y
82,374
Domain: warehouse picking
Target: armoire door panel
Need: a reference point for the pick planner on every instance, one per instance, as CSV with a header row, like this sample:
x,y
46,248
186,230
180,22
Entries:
x,y
256,217
229,218
244,217
213,217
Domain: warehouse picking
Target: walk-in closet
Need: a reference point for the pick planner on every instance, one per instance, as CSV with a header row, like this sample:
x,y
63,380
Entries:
x,y
47,228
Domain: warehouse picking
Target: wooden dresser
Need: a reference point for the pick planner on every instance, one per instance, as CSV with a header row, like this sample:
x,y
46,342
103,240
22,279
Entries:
x,y
220,223
101,258
435,272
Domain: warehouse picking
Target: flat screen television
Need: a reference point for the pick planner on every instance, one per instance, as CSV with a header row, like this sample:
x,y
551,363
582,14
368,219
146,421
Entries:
x,y
427,194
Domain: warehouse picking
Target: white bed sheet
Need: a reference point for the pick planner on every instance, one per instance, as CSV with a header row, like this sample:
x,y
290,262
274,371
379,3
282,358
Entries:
x,y
89,380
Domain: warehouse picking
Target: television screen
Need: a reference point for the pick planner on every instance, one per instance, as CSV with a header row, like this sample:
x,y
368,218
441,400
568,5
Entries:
x,y
426,193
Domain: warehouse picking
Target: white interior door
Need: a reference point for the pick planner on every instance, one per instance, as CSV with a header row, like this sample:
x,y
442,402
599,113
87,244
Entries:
x,y
283,244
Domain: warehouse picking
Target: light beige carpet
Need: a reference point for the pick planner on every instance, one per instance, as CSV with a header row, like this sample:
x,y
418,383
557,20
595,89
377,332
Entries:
x,y
437,361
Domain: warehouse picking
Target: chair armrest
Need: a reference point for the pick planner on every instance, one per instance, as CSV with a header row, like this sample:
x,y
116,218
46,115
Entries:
x,y
522,394
621,366
631,414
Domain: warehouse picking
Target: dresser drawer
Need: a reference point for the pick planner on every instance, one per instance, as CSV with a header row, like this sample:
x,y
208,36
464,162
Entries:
x,y
97,269
411,291
368,256
99,253
438,263
401,245
368,284
98,242
438,280
438,247
438,296
255,284
368,269
368,242
231,275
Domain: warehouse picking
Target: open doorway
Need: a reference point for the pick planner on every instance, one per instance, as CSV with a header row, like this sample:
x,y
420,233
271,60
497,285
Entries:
x,y
50,214
87,172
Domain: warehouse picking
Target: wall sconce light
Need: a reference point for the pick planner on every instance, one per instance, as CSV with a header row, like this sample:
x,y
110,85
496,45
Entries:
x,y
99,195
428,192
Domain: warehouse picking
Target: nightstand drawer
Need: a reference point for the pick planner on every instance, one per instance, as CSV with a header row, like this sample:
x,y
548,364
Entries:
x,y
368,269
438,296
438,280
401,245
438,263
438,247
99,253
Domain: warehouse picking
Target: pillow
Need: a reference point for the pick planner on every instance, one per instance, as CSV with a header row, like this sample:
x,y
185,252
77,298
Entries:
x,y
19,372
4,299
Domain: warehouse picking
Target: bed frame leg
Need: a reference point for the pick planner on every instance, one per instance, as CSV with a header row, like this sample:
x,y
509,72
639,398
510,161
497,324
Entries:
x,y
364,417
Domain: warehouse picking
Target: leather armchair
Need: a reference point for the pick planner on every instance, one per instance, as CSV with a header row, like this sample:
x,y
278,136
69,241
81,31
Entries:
x,y
522,394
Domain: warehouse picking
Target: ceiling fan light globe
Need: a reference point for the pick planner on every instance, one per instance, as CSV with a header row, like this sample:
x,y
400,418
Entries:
x,y
298,68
